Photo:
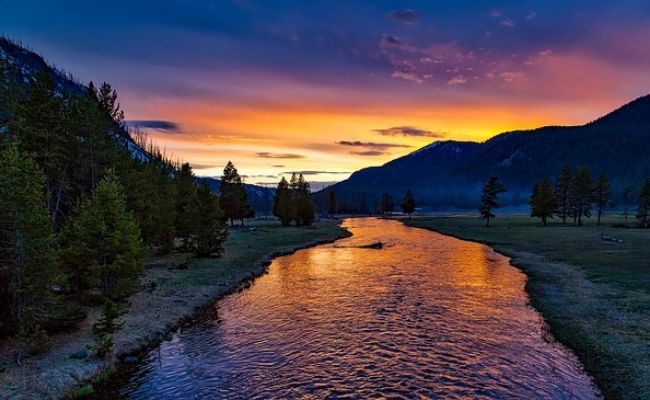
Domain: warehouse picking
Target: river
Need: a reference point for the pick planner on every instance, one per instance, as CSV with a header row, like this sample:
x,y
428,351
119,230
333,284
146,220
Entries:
x,y
427,316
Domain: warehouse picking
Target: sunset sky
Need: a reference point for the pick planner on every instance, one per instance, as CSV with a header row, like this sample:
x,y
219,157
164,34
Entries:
x,y
330,87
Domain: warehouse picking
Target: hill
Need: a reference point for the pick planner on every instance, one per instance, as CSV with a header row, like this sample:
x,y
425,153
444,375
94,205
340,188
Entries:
x,y
449,174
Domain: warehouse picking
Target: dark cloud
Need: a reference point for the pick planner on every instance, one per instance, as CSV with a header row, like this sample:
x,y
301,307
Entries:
x,y
265,154
202,166
164,126
311,172
405,16
277,166
372,145
390,40
409,131
368,153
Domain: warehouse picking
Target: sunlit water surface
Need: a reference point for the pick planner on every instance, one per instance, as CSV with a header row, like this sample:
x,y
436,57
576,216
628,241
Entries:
x,y
428,316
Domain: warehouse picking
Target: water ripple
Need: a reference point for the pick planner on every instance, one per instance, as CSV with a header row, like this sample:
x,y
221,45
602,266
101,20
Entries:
x,y
428,316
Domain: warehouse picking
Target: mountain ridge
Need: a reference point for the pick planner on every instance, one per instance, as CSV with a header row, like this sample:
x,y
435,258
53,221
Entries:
x,y
449,174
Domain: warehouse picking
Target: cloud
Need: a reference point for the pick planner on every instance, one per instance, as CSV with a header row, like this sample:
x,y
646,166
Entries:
x,y
508,23
163,126
372,145
368,153
531,16
390,40
202,166
408,16
457,80
277,166
266,154
409,131
313,172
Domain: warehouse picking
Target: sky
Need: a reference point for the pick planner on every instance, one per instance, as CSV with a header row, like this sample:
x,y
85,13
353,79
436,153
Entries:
x,y
329,87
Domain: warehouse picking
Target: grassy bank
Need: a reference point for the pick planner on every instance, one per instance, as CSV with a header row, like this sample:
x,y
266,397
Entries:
x,y
595,294
167,296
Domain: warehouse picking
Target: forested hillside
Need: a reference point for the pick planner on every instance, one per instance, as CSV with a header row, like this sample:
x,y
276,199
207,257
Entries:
x,y
449,174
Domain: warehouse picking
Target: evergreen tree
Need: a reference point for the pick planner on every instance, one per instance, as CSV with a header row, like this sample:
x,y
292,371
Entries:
x,y
387,204
542,201
562,193
331,203
233,199
28,251
626,197
103,246
643,211
408,203
186,202
489,197
211,231
282,203
304,204
602,194
39,127
581,195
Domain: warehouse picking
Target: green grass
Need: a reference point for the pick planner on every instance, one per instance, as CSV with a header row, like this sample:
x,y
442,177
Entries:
x,y
595,294
155,309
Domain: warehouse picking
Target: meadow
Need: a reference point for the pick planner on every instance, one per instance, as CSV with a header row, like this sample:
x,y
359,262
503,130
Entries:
x,y
594,293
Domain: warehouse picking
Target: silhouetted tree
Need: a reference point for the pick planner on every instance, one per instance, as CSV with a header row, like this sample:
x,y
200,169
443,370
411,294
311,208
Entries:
x,y
304,204
408,203
211,231
542,201
233,198
581,195
282,203
626,197
563,192
489,197
643,211
387,204
602,194
186,202
331,203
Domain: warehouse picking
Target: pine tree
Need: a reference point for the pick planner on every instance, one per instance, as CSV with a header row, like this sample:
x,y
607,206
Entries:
x,y
103,247
602,194
626,197
233,198
408,203
39,127
542,201
282,203
186,201
581,195
28,249
304,203
562,193
331,203
387,204
489,197
211,231
643,211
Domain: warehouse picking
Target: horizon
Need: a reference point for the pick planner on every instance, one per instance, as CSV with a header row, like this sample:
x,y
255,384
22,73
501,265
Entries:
x,y
293,86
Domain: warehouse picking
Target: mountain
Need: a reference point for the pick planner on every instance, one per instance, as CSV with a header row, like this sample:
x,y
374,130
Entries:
x,y
450,174
26,64
259,198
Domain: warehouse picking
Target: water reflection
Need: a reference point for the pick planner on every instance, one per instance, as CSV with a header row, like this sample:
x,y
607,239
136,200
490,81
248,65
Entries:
x,y
428,316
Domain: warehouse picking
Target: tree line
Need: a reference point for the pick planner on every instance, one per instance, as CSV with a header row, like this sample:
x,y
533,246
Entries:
x,y
81,202
386,206
575,195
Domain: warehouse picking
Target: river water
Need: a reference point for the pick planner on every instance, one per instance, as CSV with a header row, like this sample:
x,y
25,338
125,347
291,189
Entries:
x,y
427,316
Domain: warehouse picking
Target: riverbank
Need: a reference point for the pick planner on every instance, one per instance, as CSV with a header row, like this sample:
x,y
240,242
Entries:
x,y
167,297
594,293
